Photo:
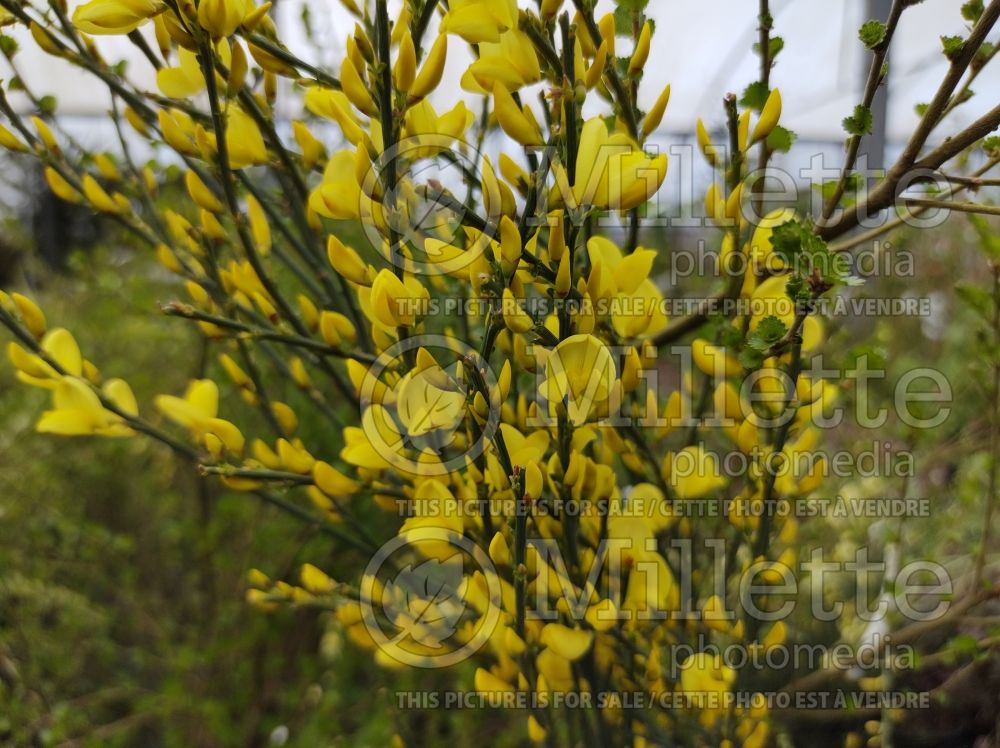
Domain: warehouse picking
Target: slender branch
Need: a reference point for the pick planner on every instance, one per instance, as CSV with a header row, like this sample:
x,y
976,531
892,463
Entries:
x,y
875,76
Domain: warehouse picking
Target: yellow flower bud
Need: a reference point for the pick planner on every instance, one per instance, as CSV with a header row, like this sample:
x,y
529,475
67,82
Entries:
x,y
510,245
259,228
607,28
512,119
405,70
346,262
10,141
596,69
498,550
514,317
769,117
31,314
46,135
709,150
285,416
356,89
313,151
238,68
532,481
58,184
308,310
430,72
315,580
536,733
200,193
331,481
655,114
564,276
97,197
220,18
641,53
550,8
743,130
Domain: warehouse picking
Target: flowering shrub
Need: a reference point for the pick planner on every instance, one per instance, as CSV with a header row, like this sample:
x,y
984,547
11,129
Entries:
x,y
489,362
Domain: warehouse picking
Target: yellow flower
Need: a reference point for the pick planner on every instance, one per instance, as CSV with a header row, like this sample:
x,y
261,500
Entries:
x,y
565,641
338,196
651,589
612,172
429,133
198,411
714,360
347,262
78,411
221,18
429,400
637,307
313,151
706,674
244,140
479,21
695,473
60,346
517,123
331,481
335,105
511,62
114,16
581,371
315,580
761,249
184,80
394,302
770,298
356,89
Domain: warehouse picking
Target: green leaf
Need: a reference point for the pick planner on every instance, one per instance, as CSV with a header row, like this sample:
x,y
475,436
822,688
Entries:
x,y
953,46
983,55
754,96
965,644
972,10
780,139
860,123
774,46
872,33
768,332
47,105
992,144
8,45
920,109
750,358
798,247
976,299
989,240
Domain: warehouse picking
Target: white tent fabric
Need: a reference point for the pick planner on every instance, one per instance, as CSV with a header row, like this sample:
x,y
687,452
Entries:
x,y
702,49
